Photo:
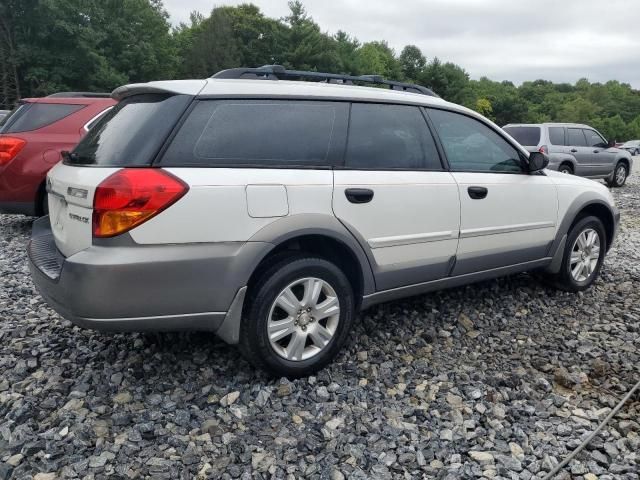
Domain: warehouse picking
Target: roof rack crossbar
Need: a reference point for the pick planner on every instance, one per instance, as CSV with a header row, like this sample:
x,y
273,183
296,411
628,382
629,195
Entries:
x,y
278,72
79,95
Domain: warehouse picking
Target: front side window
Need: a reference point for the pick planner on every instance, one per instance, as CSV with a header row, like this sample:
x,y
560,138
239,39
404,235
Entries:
x,y
556,135
266,133
389,137
471,146
594,139
576,137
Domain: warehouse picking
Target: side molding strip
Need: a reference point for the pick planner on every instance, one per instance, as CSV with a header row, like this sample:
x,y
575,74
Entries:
x,y
477,232
398,240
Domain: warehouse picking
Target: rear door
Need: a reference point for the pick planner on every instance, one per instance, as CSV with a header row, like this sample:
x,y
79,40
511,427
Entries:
x,y
394,194
602,159
578,148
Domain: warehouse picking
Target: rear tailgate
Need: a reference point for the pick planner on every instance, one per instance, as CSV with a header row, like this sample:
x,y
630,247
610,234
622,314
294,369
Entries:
x,y
71,191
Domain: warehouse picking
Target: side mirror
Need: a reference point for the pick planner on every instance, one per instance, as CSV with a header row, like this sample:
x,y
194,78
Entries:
x,y
537,161
611,143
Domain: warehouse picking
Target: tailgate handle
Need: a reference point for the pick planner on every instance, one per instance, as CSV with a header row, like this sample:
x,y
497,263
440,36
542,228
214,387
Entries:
x,y
359,195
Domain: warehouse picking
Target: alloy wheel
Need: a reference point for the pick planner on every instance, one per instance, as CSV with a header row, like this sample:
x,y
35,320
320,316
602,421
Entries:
x,y
621,174
584,255
303,319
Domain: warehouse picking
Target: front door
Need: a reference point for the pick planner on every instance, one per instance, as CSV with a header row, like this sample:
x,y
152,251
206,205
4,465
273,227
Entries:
x,y
602,159
508,216
393,194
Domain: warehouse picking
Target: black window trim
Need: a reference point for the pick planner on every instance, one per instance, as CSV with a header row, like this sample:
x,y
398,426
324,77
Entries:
x,y
502,134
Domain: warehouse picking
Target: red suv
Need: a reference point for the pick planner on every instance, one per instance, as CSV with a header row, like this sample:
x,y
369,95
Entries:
x,y
32,138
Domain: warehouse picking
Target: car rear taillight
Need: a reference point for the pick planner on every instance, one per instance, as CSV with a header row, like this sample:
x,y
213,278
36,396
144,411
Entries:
x,y
544,149
9,148
132,196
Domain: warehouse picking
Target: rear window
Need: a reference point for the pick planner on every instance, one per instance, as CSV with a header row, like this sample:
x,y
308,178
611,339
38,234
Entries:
x,y
266,133
32,116
528,136
556,135
131,133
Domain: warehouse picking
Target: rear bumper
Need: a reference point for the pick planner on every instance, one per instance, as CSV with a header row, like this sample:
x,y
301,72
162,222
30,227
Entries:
x,y
145,288
24,208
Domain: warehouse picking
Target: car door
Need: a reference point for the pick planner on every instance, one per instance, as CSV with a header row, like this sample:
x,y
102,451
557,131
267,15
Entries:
x,y
577,147
508,216
394,195
602,159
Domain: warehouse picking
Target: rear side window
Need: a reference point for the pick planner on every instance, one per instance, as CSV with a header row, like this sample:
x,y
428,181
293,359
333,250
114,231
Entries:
x,y
263,133
556,135
576,137
388,137
33,116
131,133
471,146
529,136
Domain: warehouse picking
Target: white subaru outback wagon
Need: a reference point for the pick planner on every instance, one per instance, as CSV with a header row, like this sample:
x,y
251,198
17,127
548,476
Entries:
x,y
271,211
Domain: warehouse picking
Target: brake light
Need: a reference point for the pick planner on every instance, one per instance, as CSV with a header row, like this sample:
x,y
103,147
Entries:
x,y
132,196
9,148
544,149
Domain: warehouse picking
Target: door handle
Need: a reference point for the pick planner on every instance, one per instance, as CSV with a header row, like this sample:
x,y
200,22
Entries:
x,y
573,150
359,195
477,193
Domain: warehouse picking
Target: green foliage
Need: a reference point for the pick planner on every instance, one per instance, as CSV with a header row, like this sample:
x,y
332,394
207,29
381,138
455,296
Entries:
x,y
54,45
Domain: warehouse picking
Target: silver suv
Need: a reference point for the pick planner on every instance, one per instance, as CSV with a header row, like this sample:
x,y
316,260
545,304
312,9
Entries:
x,y
575,149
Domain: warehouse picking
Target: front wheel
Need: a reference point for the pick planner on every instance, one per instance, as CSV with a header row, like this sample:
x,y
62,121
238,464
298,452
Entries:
x,y
619,175
298,317
583,255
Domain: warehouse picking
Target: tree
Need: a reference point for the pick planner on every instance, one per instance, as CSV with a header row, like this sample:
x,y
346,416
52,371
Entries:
x,y
412,62
483,107
379,59
306,47
213,46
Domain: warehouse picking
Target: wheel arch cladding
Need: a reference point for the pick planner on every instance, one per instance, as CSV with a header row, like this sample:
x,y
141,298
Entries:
x,y
321,235
588,203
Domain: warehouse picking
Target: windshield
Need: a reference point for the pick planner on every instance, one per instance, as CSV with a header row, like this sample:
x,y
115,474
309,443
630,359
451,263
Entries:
x,y
526,136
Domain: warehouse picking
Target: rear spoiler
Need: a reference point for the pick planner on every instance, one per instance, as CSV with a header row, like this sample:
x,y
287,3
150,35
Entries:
x,y
173,87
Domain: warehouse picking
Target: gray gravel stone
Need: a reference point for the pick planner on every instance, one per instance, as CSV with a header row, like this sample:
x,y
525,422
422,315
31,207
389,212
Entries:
x,y
500,379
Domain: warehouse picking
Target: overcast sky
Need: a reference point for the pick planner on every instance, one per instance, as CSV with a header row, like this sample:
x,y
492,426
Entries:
x,y
559,40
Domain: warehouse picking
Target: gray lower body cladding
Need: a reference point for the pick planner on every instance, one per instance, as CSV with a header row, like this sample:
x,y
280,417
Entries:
x,y
134,288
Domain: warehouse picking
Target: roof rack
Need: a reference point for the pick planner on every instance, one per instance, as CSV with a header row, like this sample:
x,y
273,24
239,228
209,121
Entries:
x,y
278,72
79,95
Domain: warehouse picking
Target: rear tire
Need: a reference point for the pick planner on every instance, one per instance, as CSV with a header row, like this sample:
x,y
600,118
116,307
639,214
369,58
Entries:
x,y
566,168
583,255
619,177
298,316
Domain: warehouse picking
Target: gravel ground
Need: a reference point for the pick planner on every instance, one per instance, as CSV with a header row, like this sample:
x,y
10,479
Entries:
x,y
499,380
